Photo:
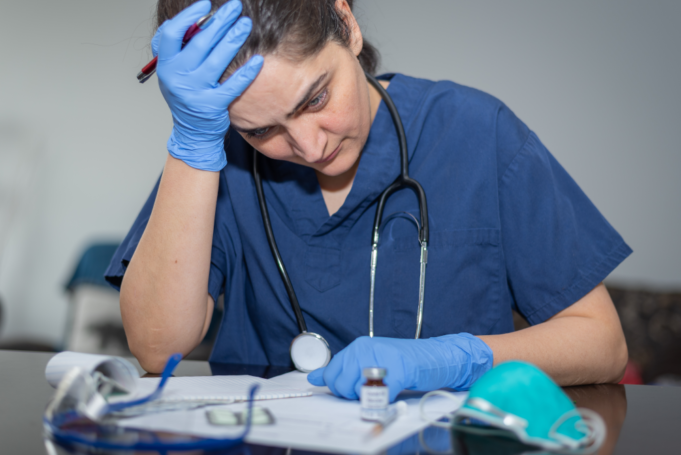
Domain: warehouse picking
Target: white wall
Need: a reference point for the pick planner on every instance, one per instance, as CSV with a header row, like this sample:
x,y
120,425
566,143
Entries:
x,y
68,78
597,80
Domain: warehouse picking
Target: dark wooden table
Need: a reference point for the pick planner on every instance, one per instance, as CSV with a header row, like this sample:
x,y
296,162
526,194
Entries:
x,y
640,419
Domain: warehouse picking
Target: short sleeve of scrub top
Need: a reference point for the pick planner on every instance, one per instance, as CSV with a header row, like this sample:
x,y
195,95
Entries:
x,y
509,229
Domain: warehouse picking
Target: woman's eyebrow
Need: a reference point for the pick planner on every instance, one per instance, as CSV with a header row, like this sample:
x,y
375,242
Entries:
x,y
308,95
241,130
305,99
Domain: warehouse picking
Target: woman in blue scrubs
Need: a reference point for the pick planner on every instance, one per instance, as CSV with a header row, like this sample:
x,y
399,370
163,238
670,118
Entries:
x,y
509,229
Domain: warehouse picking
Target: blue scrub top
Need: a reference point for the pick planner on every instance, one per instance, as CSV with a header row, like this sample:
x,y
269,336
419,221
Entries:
x,y
509,229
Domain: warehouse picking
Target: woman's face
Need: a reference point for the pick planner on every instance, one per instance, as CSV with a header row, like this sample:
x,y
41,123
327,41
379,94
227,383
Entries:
x,y
316,112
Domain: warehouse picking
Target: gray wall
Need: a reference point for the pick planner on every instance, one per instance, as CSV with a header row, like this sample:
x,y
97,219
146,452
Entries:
x,y
597,80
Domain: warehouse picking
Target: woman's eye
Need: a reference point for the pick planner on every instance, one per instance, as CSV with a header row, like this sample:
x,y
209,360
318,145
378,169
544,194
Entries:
x,y
318,100
258,133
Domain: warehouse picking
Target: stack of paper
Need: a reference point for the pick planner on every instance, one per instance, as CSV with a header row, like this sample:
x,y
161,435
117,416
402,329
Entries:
x,y
197,389
216,388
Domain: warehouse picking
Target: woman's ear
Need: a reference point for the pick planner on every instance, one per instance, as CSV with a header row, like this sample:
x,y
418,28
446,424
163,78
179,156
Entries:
x,y
356,40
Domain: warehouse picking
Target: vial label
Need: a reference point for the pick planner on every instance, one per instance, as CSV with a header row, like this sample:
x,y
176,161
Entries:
x,y
374,402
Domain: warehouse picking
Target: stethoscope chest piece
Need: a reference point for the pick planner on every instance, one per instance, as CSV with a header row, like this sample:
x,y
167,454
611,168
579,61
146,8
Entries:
x,y
309,351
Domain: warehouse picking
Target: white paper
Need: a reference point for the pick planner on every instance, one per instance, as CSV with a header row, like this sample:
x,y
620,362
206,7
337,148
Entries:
x,y
321,422
116,368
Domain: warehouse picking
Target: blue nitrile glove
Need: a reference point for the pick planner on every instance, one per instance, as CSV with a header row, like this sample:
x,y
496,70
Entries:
x,y
189,80
156,39
454,361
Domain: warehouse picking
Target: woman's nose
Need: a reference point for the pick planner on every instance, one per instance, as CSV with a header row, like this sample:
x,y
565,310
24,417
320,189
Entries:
x,y
308,142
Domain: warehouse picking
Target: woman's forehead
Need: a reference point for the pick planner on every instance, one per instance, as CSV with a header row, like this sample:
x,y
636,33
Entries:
x,y
281,85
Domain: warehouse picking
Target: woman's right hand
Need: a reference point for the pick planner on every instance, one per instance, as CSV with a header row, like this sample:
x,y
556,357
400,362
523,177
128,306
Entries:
x,y
189,80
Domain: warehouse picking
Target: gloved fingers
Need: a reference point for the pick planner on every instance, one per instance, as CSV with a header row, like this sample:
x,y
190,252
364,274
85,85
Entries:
x,y
316,377
223,53
233,87
156,39
201,46
358,385
394,388
170,43
348,385
349,381
332,370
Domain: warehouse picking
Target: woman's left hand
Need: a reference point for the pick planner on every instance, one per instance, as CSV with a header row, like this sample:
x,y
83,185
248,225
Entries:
x,y
454,361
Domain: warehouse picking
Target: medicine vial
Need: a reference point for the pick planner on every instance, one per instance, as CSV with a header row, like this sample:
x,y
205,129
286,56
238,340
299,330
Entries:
x,y
374,397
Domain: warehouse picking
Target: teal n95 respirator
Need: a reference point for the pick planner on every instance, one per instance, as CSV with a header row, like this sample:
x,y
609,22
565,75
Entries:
x,y
517,399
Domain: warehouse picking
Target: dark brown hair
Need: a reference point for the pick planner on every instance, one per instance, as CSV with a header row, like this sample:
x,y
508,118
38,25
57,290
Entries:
x,y
296,29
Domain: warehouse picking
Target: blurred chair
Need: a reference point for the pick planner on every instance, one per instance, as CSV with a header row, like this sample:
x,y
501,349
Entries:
x,y
652,327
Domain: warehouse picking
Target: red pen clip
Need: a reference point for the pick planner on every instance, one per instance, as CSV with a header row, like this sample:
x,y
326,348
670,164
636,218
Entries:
x,y
150,67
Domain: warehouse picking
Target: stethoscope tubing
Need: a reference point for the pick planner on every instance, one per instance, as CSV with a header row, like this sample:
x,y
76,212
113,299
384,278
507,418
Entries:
x,y
300,319
402,181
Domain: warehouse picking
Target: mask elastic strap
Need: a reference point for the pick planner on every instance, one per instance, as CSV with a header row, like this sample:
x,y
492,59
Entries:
x,y
592,424
422,411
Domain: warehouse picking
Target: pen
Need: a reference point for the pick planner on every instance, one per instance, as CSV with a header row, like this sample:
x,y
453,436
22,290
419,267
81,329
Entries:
x,y
150,67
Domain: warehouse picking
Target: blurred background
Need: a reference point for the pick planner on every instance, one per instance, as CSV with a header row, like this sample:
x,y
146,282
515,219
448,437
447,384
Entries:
x,y
82,142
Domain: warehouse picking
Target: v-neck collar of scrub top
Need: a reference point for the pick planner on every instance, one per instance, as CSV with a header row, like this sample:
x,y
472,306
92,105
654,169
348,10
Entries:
x,y
297,188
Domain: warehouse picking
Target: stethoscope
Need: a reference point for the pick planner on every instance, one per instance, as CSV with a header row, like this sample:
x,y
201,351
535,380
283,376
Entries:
x,y
310,350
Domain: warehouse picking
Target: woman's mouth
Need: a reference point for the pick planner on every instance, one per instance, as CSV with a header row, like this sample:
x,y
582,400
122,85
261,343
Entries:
x,y
330,157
